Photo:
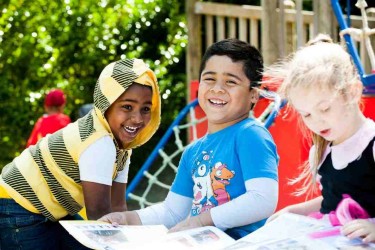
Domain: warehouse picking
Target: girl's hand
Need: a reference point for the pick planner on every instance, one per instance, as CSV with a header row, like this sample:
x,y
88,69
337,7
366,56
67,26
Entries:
x,y
278,213
360,228
305,208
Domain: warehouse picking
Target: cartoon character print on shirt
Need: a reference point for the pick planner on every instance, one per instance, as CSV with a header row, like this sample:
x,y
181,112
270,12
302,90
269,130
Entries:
x,y
210,183
202,184
220,178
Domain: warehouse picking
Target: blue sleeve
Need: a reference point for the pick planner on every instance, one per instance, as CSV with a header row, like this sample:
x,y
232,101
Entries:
x,y
257,153
183,182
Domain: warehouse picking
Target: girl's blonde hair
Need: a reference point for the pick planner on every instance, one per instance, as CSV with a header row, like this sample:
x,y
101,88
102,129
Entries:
x,y
320,64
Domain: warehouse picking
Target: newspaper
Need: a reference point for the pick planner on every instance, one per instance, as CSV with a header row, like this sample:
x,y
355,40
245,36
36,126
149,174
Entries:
x,y
288,231
104,236
292,231
101,235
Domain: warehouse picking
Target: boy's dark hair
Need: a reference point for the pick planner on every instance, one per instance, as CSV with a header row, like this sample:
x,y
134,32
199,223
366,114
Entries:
x,y
238,51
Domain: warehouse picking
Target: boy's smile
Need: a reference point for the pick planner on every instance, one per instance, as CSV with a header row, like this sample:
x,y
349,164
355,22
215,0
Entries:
x,y
130,113
224,92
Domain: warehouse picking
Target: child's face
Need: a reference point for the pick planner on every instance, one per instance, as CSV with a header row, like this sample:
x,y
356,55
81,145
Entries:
x,y
224,92
325,112
130,113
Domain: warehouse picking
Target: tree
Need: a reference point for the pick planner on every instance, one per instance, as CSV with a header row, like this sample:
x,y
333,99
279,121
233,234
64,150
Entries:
x,y
46,44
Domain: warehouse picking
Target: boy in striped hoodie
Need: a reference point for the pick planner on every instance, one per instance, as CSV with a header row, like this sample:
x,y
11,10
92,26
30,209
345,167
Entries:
x,y
84,165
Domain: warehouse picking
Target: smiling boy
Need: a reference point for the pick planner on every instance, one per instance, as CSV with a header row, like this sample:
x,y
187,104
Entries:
x,y
85,164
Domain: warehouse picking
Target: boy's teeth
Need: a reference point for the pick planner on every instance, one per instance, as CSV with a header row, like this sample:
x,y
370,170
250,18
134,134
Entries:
x,y
130,129
217,102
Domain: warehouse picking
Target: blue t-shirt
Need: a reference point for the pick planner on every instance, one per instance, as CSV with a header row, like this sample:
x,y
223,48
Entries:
x,y
213,169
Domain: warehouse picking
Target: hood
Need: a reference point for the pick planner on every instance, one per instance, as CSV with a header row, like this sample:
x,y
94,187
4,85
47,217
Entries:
x,y
114,80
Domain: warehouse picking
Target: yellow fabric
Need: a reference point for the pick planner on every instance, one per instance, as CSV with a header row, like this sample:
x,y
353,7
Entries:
x,y
83,214
11,193
109,85
3,192
44,193
35,179
71,133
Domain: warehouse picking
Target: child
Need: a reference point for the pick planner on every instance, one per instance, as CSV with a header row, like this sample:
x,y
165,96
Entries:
x,y
83,165
228,178
53,120
322,85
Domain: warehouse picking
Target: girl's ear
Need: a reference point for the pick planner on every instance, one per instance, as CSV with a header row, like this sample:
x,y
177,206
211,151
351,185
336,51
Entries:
x,y
254,95
355,92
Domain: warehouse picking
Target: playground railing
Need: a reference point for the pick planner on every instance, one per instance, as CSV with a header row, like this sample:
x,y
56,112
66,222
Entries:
x,y
363,34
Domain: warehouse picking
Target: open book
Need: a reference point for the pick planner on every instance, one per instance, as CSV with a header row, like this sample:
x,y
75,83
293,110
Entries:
x,y
288,231
101,235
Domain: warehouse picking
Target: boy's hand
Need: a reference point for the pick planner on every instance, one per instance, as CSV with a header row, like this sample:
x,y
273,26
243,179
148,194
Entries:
x,y
115,218
359,228
193,222
122,218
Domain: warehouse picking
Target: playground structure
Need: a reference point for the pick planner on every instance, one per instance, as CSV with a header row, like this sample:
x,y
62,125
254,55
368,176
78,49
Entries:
x,y
223,20
274,28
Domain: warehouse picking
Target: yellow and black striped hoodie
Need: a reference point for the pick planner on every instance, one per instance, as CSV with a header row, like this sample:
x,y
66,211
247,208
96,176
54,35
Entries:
x,y
45,178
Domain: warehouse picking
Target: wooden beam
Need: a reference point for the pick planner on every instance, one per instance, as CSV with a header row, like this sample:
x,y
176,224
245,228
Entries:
x,y
270,40
229,10
194,46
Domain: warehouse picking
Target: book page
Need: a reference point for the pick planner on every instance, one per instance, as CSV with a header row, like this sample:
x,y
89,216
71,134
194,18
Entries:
x,y
300,243
208,237
292,231
101,235
285,226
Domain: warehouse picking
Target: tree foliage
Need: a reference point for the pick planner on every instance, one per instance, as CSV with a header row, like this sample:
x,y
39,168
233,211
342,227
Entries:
x,y
65,44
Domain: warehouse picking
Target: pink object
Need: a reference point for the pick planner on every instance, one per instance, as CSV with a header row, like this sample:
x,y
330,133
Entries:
x,y
323,234
347,210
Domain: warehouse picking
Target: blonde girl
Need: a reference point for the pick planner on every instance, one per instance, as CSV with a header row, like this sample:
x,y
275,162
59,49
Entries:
x,y
321,84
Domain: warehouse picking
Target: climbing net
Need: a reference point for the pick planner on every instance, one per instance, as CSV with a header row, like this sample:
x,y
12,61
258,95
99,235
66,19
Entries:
x,y
153,181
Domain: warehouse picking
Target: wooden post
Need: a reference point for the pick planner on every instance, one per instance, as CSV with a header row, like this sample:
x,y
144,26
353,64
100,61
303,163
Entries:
x,y
290,28
282,29
270,46
299,24
324,18
316,20
193,50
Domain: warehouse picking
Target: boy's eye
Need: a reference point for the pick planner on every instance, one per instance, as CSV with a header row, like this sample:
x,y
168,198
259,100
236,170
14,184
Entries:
x,y
146,109
231,82
127,107
209,79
